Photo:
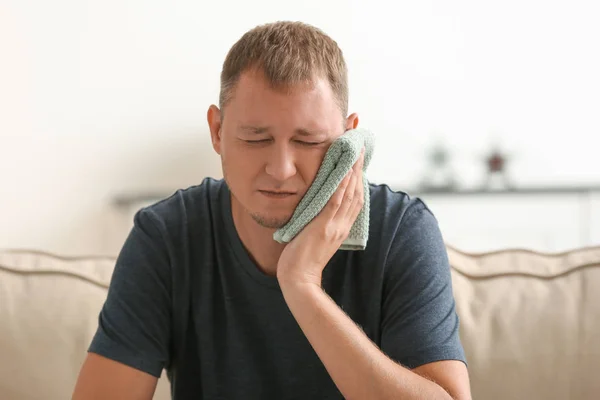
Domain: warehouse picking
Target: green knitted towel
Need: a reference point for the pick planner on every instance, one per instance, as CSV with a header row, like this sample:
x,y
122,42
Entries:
x,y
341,156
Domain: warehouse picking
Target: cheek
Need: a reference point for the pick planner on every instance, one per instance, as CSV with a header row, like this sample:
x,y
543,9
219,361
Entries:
x,y
309,164
241,164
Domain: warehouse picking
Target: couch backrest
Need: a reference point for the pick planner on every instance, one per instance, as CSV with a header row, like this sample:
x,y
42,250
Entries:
x,y
49,309
530,323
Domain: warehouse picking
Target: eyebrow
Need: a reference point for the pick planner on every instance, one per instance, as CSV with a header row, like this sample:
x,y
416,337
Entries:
x,y
265,129
306,132
255,129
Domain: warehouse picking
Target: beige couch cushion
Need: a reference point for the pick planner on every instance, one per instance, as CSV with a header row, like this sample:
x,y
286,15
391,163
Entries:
x,y
530,323
49,312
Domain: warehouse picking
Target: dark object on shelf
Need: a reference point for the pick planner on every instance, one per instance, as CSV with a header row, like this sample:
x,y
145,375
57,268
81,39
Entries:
x,y
496,173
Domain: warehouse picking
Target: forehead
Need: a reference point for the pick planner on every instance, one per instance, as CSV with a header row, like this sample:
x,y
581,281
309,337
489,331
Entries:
x,y
255,98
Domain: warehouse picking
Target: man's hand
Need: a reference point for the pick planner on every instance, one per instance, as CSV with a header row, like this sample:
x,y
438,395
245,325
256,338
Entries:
x,y
305,257
357,366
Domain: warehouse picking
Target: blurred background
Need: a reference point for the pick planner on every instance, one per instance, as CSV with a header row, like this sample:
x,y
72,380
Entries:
x,y
489,111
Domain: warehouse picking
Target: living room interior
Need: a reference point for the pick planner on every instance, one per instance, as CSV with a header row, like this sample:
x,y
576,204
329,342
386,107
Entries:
x,y
486,111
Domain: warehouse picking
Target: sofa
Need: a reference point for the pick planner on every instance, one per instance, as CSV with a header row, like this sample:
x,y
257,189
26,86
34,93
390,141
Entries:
x,y
530,322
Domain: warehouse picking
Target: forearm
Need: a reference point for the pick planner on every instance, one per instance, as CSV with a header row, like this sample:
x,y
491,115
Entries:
x,y
359,369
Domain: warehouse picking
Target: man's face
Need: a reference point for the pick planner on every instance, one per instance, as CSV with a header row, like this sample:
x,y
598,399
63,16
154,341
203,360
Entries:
x,y
272,142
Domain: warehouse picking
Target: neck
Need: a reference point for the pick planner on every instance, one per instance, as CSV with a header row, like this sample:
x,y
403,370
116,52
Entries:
x,y
257,239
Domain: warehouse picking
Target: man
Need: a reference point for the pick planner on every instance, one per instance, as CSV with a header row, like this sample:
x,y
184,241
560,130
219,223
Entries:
x,y
202,289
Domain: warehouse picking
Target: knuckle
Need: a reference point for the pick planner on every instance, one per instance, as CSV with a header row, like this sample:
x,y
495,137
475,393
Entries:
x,y
336,202
329,232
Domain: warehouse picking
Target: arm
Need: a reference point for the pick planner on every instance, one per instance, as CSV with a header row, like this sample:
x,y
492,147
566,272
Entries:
x,y
103,378
131,345
419,325
356,365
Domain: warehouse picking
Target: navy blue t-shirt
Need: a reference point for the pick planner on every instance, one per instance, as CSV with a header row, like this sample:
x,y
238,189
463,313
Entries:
x,y
186,296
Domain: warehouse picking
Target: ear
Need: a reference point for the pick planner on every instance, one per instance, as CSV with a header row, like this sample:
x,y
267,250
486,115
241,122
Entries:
x,y
352,121
213,117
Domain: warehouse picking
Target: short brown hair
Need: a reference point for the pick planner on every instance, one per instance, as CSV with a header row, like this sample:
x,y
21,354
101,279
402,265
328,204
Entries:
x,y
288,53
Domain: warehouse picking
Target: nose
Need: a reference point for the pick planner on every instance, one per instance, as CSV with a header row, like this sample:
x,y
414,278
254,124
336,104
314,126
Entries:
x,y
281,164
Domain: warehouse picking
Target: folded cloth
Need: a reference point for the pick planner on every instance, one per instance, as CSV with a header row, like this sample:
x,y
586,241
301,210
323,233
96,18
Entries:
x,y
339,159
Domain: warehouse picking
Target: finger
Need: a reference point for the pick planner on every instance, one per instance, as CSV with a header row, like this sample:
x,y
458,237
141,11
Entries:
x,y
337,198
358,200
348,197
350,194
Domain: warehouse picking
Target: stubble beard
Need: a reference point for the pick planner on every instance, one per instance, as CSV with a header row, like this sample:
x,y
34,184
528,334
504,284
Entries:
x,y
268,222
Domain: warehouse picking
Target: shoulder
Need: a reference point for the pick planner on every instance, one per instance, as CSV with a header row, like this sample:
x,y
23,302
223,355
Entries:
x,y
404,230
172,216
393,211
184,203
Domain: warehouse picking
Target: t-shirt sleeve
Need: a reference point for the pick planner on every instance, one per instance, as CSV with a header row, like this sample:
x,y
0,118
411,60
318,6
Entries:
x,y
419,320
134,323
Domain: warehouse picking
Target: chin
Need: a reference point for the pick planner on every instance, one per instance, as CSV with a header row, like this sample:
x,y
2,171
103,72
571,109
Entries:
x,y
270,221
274,218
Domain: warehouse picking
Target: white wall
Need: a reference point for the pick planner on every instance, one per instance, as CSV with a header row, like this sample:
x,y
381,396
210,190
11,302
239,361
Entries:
x,y
103,97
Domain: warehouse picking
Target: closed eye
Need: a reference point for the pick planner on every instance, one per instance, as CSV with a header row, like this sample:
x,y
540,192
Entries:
x,y
303,143
257,141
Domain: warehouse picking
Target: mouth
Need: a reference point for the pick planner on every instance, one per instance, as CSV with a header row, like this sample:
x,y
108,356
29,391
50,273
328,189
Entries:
x,y
277,194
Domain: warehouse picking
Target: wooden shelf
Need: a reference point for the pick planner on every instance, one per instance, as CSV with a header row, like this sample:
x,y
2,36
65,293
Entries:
x,y
531,190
